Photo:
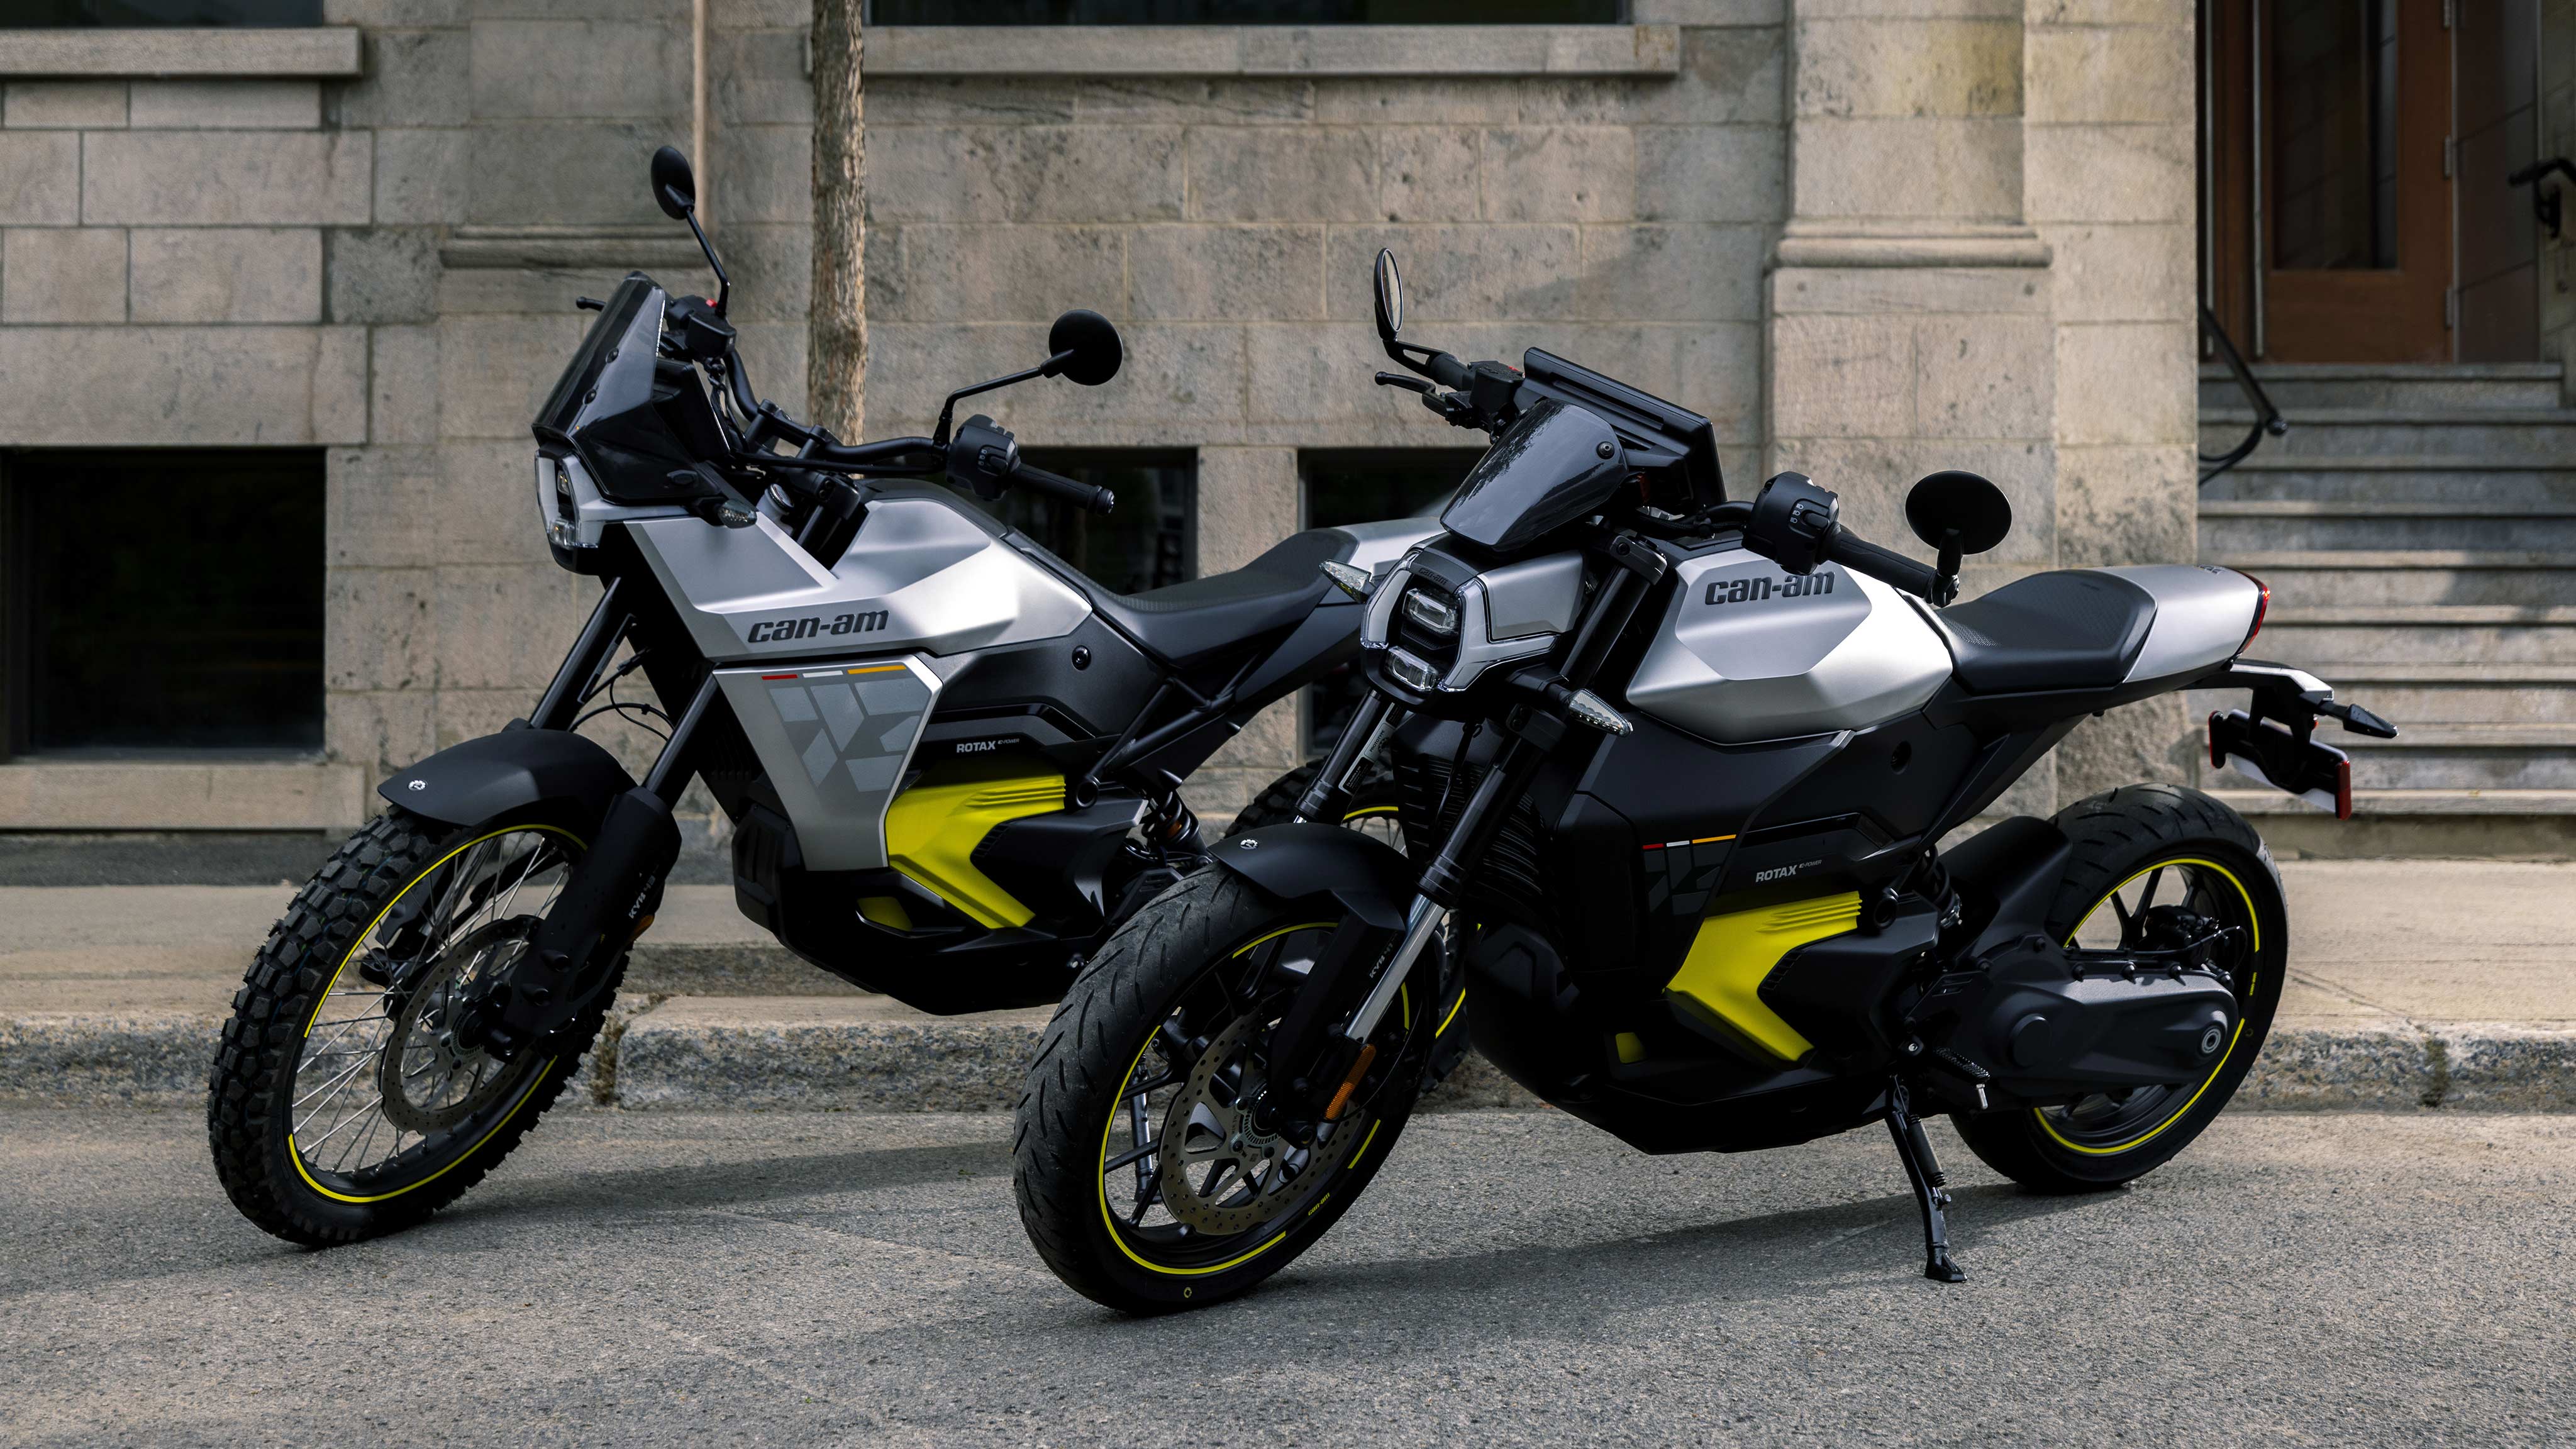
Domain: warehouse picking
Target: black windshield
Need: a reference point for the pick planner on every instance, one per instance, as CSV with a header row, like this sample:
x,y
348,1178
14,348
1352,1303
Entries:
x,y
1557,464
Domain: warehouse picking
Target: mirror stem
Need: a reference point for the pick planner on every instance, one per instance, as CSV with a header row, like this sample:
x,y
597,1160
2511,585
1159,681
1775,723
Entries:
x,y
724,284
948,409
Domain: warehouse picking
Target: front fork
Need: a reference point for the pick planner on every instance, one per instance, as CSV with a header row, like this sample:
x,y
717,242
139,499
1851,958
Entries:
x,y
1532,733
614,889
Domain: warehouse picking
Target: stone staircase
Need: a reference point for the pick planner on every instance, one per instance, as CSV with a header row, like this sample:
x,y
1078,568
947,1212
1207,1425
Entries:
x,y
2418,529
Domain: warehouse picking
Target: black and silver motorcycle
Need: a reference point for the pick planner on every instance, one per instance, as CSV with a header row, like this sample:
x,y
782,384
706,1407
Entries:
x,y
952,763
1675,770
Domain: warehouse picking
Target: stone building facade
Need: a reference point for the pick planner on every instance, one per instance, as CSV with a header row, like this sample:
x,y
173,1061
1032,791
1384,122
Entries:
x,y
1868,238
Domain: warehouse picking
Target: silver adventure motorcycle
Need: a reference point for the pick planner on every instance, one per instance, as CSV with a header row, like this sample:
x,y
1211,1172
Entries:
x,y
952,763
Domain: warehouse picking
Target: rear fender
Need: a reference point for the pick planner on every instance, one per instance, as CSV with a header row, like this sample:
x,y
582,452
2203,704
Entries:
x,y
499,774
1369,878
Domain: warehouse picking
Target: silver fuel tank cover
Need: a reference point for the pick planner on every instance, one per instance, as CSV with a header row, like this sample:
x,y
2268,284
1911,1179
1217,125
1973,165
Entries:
x,y
1749,651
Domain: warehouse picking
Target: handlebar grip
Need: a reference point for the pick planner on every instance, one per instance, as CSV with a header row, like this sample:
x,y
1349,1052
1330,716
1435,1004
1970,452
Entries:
x,y
1448,371
1056,485
1885,565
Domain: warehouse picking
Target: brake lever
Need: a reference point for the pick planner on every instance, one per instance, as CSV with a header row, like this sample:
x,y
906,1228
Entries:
x,y
1409,384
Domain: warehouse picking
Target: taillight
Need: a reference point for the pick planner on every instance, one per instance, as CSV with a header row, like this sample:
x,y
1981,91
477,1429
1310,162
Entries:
x,y
2262,606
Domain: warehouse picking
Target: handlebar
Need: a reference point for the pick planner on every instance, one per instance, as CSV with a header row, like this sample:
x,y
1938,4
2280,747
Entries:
x,y
1884,564
1056,485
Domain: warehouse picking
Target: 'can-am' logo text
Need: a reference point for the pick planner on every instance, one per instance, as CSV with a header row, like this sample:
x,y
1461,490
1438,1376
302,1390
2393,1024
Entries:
x,y
1754,591
772,631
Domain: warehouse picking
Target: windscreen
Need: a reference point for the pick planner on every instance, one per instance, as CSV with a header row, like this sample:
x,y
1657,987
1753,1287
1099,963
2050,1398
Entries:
x,y
1557,464
563,405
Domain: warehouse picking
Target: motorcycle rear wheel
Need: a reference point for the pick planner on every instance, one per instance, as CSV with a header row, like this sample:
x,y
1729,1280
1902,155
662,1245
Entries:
x,y
2133,847
1150,1057
341,1105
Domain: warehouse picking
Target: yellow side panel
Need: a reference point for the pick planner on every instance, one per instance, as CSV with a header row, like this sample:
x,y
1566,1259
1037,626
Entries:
x,y
1732,953
932,832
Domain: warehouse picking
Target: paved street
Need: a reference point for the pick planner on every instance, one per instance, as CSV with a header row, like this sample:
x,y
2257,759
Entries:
x,y
1513,1278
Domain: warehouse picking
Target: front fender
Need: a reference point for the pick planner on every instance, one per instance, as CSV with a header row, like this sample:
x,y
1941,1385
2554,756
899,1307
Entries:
x,y
1371,879
486,777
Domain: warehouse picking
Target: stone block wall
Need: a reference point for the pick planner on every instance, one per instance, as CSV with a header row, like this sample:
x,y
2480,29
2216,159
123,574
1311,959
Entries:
x,y
2110,174
380,257
1869,238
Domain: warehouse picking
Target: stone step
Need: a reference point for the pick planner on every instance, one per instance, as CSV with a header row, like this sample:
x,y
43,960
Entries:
x,y
2392,478
2449,757
2415,695
2356,577
2409,802
2320,636
2531,435
2246,525
2296,386
2465,757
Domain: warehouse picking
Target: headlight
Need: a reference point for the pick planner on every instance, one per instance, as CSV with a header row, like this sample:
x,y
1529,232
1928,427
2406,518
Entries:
x,y
557,507
1436,615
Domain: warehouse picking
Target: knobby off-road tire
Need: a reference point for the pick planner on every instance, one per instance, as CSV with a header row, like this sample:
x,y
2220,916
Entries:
x,y
317,944
1104,1039
2121,840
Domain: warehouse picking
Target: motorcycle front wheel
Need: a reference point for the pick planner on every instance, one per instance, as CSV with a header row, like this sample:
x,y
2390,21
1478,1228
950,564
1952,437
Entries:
x,y
343,1104
1141,1176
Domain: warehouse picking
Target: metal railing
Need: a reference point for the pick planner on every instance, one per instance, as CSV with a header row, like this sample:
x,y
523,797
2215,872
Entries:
x,y
2268,421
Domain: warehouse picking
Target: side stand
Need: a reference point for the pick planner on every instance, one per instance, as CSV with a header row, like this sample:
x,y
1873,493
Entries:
x,y
1924,1171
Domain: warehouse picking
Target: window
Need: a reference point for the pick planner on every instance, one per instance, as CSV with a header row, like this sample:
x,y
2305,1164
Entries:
x,y
1246,12
1149,541
161,601
125,14
1366,487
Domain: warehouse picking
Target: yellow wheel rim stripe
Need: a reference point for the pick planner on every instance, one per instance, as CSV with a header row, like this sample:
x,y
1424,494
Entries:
x,y
539,1075
2254,922
1109,1219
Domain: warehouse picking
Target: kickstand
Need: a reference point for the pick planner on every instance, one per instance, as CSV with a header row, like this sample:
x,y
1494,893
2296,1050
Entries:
x,y
1924,1171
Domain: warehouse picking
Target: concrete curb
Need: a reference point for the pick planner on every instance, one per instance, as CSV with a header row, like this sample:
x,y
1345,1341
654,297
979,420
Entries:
x,y
974,1065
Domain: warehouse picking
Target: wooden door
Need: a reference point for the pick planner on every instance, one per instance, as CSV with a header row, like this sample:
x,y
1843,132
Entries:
x,y
2329,207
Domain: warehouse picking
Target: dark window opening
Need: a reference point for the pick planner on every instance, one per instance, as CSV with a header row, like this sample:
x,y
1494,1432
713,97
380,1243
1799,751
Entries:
x,y
145,14
1148,541
2335,64
1247,12
162,600
1368,487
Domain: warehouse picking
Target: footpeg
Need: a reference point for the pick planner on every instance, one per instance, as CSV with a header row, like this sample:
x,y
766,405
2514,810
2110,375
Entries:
x,y
1931,1194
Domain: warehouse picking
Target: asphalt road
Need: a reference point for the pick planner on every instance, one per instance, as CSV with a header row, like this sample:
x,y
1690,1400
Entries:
x,y
1512,1278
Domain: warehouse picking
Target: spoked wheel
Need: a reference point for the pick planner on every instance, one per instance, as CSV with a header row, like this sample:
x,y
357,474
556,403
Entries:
x,y
345,1102
1144,1179
2156,868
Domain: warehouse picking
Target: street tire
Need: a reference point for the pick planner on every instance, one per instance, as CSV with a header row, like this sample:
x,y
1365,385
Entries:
x,y
312,956
2126,841
1109,1036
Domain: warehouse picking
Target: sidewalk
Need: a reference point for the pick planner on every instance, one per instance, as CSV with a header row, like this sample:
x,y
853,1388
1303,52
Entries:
x,y
2412,983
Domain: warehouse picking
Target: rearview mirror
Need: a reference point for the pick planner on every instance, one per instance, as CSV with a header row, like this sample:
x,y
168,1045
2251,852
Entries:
x,y
1390,297
1084,347
1958,513
675,186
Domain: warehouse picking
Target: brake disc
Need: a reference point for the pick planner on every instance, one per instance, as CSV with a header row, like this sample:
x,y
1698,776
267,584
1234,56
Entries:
x,y
1221,1175
424,1063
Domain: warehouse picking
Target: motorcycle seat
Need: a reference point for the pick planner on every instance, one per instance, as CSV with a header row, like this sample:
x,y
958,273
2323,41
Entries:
x,y
1192,622
2069,629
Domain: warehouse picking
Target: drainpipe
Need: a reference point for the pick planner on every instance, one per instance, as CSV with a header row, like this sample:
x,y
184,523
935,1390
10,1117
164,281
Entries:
x,y
698,103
